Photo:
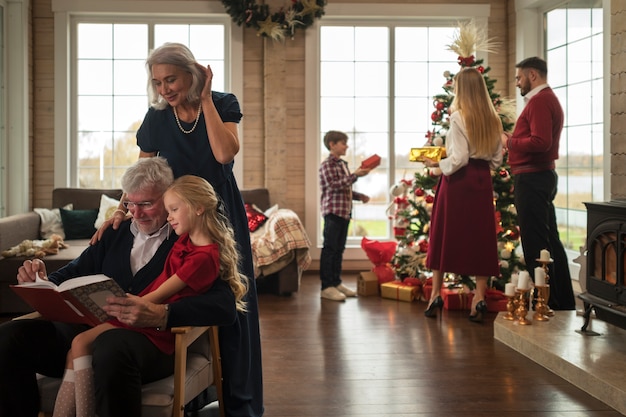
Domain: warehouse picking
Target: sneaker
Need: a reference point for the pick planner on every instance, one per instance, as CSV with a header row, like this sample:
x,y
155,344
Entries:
x,y
332,293
346,291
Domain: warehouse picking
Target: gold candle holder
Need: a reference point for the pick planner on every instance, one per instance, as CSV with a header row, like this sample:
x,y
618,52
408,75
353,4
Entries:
x,y
544,264
541,308
511,306
522,307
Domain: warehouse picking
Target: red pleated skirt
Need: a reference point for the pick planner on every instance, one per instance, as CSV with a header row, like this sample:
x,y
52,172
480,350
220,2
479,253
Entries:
x,y
462,236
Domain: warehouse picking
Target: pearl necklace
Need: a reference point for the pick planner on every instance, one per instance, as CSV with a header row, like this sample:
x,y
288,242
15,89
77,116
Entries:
x,y
194,124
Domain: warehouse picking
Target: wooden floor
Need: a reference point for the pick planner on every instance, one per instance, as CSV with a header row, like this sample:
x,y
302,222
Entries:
x,y
376,357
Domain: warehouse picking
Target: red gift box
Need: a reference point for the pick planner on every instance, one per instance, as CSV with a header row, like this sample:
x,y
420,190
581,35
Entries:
x,y
427,288
496,300
456,299
371,162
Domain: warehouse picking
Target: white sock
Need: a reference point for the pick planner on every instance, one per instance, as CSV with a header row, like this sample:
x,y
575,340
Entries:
x,y
65,403
84,387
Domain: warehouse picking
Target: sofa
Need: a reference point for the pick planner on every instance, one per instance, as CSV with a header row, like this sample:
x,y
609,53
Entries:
x,y
19,227
280,276
16,228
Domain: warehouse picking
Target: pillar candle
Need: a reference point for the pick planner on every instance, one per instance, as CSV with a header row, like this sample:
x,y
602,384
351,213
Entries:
x,y
514,279
522,281
544,255
509,289
540,276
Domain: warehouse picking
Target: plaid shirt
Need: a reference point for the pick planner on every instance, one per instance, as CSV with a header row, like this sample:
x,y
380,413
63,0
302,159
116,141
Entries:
x,y
336,185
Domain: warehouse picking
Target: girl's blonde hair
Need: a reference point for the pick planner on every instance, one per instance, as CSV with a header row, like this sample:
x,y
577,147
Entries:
x,y
196,193
482,122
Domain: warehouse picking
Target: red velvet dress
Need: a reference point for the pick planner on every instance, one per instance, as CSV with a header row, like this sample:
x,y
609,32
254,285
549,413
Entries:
x,y
197,266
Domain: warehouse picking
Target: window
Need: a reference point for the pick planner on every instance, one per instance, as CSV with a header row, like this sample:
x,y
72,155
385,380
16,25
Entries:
x,y
111,82
377,85
374,79
574,52
101,79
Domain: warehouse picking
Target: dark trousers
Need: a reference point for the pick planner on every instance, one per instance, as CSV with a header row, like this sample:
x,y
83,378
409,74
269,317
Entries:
x,y
534,196
124,360
331,258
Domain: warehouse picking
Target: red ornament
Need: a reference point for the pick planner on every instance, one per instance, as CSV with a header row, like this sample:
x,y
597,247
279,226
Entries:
x,y
419,192
423,245
436,116
429,199
481,69
440,105
504,173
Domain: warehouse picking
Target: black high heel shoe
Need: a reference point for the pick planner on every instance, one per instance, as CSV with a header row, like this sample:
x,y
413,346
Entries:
x,y
481,309
436,304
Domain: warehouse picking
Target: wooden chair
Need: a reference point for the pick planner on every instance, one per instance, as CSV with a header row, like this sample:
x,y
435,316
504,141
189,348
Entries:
x,y
197,366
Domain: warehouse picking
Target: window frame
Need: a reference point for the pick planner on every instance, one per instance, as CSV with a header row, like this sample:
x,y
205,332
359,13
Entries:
x,y
530,41
68,12
367,15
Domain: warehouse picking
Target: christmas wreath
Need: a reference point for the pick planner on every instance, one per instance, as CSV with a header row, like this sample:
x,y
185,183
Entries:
x,y
276,25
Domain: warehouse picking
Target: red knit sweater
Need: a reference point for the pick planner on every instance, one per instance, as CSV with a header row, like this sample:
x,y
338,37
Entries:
x,y
534,145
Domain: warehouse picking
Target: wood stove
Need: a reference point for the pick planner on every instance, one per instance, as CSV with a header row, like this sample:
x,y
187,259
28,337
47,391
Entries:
x,y
606,262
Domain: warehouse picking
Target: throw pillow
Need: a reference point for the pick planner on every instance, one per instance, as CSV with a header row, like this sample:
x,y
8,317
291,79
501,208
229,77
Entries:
x,y
78,224
108,205
255,217
51,222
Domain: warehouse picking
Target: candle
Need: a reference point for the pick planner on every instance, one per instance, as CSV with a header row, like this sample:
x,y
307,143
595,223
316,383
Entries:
x,y
522,280
509,289
544,255
514,279
540,276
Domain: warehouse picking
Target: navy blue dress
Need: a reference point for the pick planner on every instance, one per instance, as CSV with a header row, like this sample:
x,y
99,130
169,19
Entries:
x,y
240,344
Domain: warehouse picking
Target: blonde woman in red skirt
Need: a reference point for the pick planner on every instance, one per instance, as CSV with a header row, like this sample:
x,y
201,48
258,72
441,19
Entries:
x,y
463,227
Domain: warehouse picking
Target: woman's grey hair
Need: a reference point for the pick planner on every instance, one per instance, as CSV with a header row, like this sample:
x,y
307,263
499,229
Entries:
x,y
179,55
152,173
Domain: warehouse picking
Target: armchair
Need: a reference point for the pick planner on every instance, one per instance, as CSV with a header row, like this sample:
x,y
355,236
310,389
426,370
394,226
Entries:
x,y
197,366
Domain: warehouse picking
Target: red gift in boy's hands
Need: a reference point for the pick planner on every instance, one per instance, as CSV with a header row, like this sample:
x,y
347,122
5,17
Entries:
x,y
371,162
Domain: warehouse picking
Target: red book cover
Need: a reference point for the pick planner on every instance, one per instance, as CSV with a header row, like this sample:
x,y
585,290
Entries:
x,y
77,300
371,162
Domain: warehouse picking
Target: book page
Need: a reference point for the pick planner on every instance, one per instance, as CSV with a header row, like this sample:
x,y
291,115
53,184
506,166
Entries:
x,y
82,281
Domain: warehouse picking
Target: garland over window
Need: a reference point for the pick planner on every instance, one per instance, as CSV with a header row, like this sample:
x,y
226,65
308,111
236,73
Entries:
x,y
276,25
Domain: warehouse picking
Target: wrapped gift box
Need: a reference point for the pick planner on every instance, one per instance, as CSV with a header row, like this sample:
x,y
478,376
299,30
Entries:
x,y
456,299
396,290
367,284
496,300
427,288
371,162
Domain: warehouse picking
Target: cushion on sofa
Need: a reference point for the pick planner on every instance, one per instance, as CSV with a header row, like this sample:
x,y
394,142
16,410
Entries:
x,y
79,224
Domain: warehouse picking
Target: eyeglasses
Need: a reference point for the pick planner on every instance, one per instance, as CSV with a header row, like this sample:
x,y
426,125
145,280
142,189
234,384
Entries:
x,y
144,205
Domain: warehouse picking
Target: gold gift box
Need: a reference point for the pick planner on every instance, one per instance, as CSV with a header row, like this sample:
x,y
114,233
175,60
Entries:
x,y
433,152
395,290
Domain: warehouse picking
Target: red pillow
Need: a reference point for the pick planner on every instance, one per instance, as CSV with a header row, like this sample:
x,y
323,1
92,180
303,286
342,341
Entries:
x,y
255,217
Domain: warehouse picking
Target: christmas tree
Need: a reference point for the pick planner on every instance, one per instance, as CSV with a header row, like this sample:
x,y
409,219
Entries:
x,y
414,204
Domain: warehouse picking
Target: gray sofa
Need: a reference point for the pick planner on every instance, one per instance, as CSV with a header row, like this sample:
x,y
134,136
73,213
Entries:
x,y
14,229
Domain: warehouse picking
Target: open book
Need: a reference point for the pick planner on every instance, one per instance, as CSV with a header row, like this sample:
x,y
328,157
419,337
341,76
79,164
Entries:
x,y
77,300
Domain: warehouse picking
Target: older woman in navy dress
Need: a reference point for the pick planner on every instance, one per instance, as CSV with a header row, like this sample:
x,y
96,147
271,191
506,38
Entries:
x,y
196,130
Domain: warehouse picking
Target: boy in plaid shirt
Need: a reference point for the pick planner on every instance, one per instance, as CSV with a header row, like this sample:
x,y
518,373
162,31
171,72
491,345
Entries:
x,y
337,195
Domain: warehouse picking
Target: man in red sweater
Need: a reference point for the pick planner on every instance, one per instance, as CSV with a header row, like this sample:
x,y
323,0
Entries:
x,y
533,147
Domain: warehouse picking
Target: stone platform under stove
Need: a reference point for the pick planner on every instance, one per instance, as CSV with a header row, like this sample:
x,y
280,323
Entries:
x,y
595,364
